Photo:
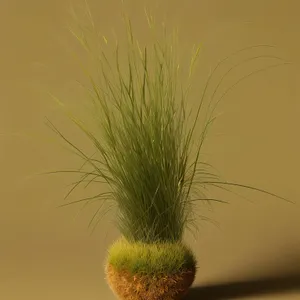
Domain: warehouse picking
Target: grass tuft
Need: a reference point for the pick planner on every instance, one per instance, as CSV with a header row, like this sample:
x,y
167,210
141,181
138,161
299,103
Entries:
x,y
147,150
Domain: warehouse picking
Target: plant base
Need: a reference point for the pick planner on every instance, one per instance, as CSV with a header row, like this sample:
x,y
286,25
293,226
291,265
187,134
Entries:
x,y
128,286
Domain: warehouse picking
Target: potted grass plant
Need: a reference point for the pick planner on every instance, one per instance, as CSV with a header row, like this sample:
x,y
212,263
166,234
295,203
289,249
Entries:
x,y
148,152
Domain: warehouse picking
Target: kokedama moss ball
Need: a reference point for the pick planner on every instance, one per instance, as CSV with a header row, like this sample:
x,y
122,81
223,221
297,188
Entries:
x,y
150,271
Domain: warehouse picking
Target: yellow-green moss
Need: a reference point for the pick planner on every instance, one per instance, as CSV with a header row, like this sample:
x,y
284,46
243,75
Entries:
x,y
158,258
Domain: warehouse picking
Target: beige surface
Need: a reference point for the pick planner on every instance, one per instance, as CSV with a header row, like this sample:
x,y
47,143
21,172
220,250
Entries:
x,y
43,254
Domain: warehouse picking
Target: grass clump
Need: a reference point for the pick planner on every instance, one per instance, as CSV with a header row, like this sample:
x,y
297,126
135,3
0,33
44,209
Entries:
x,y
147,149
153,259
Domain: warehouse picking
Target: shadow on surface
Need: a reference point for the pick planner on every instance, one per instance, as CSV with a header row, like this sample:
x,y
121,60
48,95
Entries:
x,y
252,287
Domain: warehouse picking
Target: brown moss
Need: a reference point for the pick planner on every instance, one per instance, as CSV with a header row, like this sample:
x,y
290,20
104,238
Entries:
x,y
129,286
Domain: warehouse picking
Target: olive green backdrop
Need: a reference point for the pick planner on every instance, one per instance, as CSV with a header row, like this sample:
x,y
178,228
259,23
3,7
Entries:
x,y
44,254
